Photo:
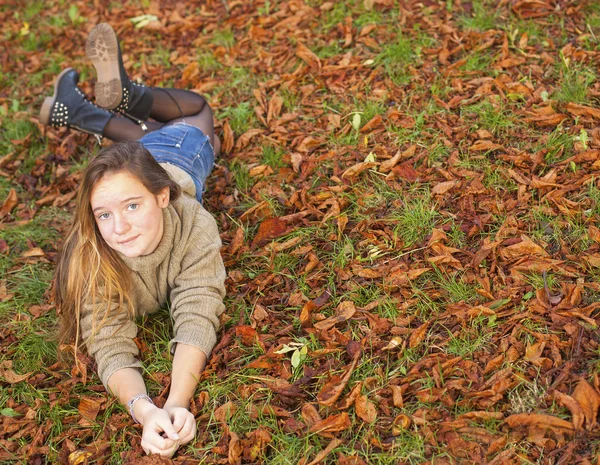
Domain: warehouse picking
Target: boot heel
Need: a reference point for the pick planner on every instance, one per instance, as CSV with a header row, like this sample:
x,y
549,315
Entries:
x,y
108,94
46,110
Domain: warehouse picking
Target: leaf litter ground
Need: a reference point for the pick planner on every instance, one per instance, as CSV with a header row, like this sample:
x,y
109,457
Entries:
x,y
409,209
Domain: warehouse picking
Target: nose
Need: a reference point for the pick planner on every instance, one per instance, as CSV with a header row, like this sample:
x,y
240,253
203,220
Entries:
x,y
121,224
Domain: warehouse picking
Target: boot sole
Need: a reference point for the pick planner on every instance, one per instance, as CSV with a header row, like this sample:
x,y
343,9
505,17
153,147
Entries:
x,y
48,104
102,48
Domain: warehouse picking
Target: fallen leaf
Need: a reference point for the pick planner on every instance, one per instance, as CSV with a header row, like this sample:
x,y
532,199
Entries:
x,y
365,409
325,452
343,312
89,408
589,401
331,424
9,375
9,203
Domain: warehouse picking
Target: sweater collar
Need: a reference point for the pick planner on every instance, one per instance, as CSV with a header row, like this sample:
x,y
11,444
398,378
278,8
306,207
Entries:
x,y
154,259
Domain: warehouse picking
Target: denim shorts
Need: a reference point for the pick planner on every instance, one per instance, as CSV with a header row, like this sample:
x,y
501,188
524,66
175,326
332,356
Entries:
x,y
184,146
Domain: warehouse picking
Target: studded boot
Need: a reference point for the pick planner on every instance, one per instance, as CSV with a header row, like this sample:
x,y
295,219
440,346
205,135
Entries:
x,y
114,91
69,107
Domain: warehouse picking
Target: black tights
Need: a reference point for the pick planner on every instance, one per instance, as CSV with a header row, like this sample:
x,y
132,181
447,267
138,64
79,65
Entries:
x,y
169,106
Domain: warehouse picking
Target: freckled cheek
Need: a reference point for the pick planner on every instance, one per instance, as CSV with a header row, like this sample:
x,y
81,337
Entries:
x,y
104,231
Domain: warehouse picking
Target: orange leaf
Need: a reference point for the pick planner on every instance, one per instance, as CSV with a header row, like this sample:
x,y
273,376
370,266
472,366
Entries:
x,y
418,335
228,139
332,424
9,375
88,408
573,406
523,248
275,105
269,229
484,145
307,55
344,311
9,203
325,452
589,400
358,168
538,419
365,409
333,388
387,165
443,187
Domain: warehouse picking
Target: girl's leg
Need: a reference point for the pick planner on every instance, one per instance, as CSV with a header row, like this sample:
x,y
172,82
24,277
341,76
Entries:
x,y
121,129
172,106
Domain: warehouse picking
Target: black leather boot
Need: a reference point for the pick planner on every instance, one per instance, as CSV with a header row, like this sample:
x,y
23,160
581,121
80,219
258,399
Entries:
x,y
69,107
114,90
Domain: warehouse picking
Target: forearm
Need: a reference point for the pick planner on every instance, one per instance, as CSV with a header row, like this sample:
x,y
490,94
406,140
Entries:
x,y
127,383
188,363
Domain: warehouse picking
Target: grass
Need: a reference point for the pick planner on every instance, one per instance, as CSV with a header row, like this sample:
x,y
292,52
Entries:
x,y
386,219
574,82
482,17
240,117
416,218
395,59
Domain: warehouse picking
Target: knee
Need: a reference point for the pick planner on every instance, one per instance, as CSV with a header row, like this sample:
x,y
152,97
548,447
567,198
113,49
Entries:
x,y
199,103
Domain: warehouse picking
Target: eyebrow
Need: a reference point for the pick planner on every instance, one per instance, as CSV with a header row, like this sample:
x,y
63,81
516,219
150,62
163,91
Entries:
x,y
128,199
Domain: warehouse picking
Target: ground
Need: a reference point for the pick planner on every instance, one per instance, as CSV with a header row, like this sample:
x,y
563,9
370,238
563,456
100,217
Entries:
x,y
408,203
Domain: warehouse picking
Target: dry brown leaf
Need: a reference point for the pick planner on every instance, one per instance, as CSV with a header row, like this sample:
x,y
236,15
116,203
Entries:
x,y
325,452
228,138
332,424
7,373
573,406
589,400
387,165
522,249
365,409
275,105
89,408
234,453
343,312
308,56
9,203
443,187
484,146
237,241
245,138
269,229
418,335
538,419
358,168
332,389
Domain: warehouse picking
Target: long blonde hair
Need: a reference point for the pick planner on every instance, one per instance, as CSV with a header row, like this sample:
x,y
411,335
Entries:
x,y
88,270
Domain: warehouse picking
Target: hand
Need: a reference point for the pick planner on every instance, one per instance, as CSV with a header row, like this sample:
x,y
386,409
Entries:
x,y
156,421
183,422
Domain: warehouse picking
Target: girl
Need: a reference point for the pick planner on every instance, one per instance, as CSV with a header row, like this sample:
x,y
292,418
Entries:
x,y
140,236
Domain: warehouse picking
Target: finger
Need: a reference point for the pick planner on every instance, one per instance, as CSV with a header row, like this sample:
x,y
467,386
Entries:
x,y
152,450
188,431
167,427
178,418
153,438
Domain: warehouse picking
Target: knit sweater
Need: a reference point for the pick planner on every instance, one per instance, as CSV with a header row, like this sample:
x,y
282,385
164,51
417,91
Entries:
x,y
186,268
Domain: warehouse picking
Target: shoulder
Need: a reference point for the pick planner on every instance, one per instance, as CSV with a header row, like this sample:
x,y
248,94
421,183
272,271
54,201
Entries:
x,y
195,222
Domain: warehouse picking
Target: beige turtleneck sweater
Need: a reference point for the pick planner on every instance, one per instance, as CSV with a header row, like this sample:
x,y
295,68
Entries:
x,y
186,268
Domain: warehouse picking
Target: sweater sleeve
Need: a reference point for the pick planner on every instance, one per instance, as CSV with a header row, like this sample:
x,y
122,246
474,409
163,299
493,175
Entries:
x,y
112,346
199,289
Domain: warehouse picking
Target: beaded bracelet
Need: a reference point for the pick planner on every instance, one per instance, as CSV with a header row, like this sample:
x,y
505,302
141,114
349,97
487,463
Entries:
x,y
132,402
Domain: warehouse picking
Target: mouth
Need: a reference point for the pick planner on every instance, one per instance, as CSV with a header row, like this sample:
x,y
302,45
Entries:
x,y
127,241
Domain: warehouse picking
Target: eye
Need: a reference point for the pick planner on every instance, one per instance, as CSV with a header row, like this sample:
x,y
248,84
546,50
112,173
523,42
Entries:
x,y
103,216
132,206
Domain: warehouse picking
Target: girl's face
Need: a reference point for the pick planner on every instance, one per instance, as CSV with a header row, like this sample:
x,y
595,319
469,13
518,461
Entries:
x,y
129,216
